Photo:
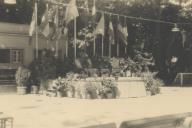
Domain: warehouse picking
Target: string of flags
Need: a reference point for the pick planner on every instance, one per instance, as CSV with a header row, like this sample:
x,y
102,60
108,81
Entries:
x,y
72,13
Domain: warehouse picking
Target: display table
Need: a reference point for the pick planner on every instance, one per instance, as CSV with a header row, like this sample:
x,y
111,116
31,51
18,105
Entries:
x,y
131,87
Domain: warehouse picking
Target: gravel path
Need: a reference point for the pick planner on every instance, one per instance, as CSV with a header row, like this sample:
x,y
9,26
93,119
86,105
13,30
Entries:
x,y
34,111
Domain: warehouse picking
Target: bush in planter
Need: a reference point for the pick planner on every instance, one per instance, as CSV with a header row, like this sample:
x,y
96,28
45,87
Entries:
x,y
42,69
152,84
22,76
62,87
107,89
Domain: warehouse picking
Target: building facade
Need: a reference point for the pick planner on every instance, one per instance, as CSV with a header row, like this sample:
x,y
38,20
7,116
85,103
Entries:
x,y
16,48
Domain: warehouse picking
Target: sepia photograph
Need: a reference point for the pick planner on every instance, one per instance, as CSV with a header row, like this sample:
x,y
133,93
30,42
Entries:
x,y
95,63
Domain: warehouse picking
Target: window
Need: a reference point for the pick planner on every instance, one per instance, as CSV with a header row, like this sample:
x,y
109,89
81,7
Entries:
x,y
16,56
13,56
4,56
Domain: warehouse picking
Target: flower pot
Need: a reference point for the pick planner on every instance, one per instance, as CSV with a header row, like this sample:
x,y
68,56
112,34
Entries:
x,y
109,95
59,94
88,96
69,94
148,93
21,90
34,89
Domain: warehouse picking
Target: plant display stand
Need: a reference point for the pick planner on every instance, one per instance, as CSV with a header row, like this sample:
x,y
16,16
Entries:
x,y
131,87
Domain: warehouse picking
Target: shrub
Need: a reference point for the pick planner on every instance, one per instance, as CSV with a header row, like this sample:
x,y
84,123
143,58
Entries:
x,y
42,69
22,75
152,84
62,85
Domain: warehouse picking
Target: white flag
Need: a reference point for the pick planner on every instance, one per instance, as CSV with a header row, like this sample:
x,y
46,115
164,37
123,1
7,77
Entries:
x,y
94,9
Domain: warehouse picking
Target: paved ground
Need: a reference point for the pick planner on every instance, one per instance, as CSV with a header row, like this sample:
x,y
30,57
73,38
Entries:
x,y
32,111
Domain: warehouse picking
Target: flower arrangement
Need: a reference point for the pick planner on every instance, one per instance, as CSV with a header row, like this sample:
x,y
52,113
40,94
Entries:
x,y
62,86
152,84
107,89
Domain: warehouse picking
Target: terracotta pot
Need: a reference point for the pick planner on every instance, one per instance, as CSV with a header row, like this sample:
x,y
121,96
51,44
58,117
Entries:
x,y
88,96
69,94
148,93
109,95
34,89
59,94
21,90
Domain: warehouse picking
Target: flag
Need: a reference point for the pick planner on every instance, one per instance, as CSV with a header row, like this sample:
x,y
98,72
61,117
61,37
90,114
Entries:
x,y
10,1
122,33
111,33
45,23
57,30
71,11
94,9
86,6
100,29
33,21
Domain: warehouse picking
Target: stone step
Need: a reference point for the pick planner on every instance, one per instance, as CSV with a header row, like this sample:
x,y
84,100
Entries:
x,y
8,88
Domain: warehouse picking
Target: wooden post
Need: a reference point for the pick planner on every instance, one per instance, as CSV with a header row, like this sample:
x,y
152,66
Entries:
x,y
181,82
102,52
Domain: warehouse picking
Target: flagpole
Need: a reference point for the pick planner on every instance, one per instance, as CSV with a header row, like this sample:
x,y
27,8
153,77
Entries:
x,y
57,48
126,50
102,46
109,48
75,39
36,32
118,47
94,48
47,43
118,41
66,46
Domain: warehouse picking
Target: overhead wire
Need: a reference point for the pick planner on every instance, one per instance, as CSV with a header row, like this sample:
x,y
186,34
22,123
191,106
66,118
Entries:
x,y
125,16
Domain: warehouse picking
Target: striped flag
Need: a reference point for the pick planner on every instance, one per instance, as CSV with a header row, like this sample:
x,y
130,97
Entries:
x,y
100,29
122,33
33,21
45,23
71,11
10,1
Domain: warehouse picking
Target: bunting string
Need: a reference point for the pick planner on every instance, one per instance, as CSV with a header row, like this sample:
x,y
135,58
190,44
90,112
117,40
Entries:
x,y
125,16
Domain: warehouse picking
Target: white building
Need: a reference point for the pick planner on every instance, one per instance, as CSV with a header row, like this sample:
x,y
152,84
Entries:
x,y
16,49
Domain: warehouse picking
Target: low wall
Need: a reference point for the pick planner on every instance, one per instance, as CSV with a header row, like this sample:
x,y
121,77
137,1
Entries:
x,y
127,86
131,87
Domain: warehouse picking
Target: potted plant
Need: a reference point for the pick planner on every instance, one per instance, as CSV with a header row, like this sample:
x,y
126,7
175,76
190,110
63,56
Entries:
x,y
152,84
22,75
70,91
59,88
107,89
34,88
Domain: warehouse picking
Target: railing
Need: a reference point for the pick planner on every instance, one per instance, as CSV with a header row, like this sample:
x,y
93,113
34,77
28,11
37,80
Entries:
x,y
182,77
